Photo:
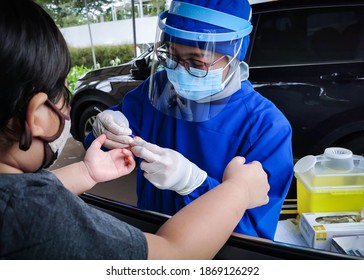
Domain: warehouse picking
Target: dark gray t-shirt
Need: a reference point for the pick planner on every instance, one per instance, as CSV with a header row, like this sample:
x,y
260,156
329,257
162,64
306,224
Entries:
x,y
41,219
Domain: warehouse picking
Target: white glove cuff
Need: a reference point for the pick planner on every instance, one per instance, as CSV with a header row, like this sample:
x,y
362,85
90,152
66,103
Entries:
x,y
196,177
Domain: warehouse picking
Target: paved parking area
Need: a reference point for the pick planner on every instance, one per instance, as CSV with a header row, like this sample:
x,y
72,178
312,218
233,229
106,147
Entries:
x,y
122,189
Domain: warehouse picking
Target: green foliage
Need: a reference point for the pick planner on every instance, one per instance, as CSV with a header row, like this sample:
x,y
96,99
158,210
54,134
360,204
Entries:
x,y
76,73
105,55
157,7
78,12
74,12
82,61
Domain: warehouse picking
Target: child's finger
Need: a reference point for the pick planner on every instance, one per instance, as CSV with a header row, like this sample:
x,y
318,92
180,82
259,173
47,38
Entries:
x,y
99,141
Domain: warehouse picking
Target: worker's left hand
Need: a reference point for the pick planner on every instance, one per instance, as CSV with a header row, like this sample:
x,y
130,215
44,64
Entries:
x,y
167,169
116,128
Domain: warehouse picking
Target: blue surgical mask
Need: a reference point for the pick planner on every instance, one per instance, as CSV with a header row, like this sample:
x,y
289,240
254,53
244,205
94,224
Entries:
x,y
194,88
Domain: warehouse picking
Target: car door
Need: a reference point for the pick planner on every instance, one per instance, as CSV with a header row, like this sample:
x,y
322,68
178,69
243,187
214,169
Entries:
x,y
310,62
238,247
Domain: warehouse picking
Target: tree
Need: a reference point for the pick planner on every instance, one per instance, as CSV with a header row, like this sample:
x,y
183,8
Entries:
x,y
158,6
74,12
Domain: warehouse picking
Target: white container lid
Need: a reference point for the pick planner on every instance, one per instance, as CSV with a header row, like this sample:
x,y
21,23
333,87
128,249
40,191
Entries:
x,y
335,162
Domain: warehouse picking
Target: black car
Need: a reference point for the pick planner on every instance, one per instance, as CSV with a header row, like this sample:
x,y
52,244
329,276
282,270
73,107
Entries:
x,y
99,89
305,56
308,58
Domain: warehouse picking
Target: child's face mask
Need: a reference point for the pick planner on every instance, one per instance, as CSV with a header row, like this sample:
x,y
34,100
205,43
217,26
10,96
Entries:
x,y
53,145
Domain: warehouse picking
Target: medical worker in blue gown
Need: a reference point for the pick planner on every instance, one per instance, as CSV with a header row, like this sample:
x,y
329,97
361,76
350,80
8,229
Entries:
x,y
197,111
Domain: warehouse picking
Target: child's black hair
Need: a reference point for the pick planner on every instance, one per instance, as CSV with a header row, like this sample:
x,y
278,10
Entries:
x,y
34,57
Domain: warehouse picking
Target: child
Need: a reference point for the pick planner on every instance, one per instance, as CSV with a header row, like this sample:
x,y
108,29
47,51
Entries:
x,y
41,216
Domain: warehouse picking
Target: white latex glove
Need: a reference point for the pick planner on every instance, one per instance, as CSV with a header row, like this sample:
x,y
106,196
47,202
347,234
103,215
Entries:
x,y
167,169
116,128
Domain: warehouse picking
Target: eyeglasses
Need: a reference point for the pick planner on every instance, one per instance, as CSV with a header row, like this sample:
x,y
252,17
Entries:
x,y
171,61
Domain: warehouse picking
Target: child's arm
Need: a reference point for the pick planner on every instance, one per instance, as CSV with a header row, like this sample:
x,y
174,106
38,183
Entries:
x,y
202,227
97,166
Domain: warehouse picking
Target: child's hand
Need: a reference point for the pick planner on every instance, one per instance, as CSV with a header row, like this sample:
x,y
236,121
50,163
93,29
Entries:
x,y
104,166
251,178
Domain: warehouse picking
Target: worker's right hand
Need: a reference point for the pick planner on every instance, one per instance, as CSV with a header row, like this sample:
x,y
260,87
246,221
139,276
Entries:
x,y
116,128
251,178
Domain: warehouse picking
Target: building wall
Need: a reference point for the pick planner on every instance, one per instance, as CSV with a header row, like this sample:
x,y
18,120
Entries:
x,y
116,32
112,33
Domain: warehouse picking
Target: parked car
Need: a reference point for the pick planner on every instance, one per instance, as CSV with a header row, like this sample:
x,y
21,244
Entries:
x,y
307,57
99,89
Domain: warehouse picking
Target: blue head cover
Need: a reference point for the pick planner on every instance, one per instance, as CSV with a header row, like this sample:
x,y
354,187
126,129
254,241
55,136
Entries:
x,y
231,18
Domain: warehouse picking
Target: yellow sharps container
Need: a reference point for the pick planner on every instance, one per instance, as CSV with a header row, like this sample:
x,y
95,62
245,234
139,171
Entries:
x,y
331,182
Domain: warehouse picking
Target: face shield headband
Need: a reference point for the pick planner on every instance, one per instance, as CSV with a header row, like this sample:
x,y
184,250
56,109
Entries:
x,y
195,34
239,27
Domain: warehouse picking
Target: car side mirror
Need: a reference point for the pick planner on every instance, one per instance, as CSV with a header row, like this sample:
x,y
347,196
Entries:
x,y
140,69
140,63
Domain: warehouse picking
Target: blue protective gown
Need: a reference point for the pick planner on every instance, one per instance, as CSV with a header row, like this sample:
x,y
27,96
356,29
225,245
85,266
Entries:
x,y
249,125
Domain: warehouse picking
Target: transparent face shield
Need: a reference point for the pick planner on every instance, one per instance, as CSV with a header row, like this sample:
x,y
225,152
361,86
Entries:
x,y
189,68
